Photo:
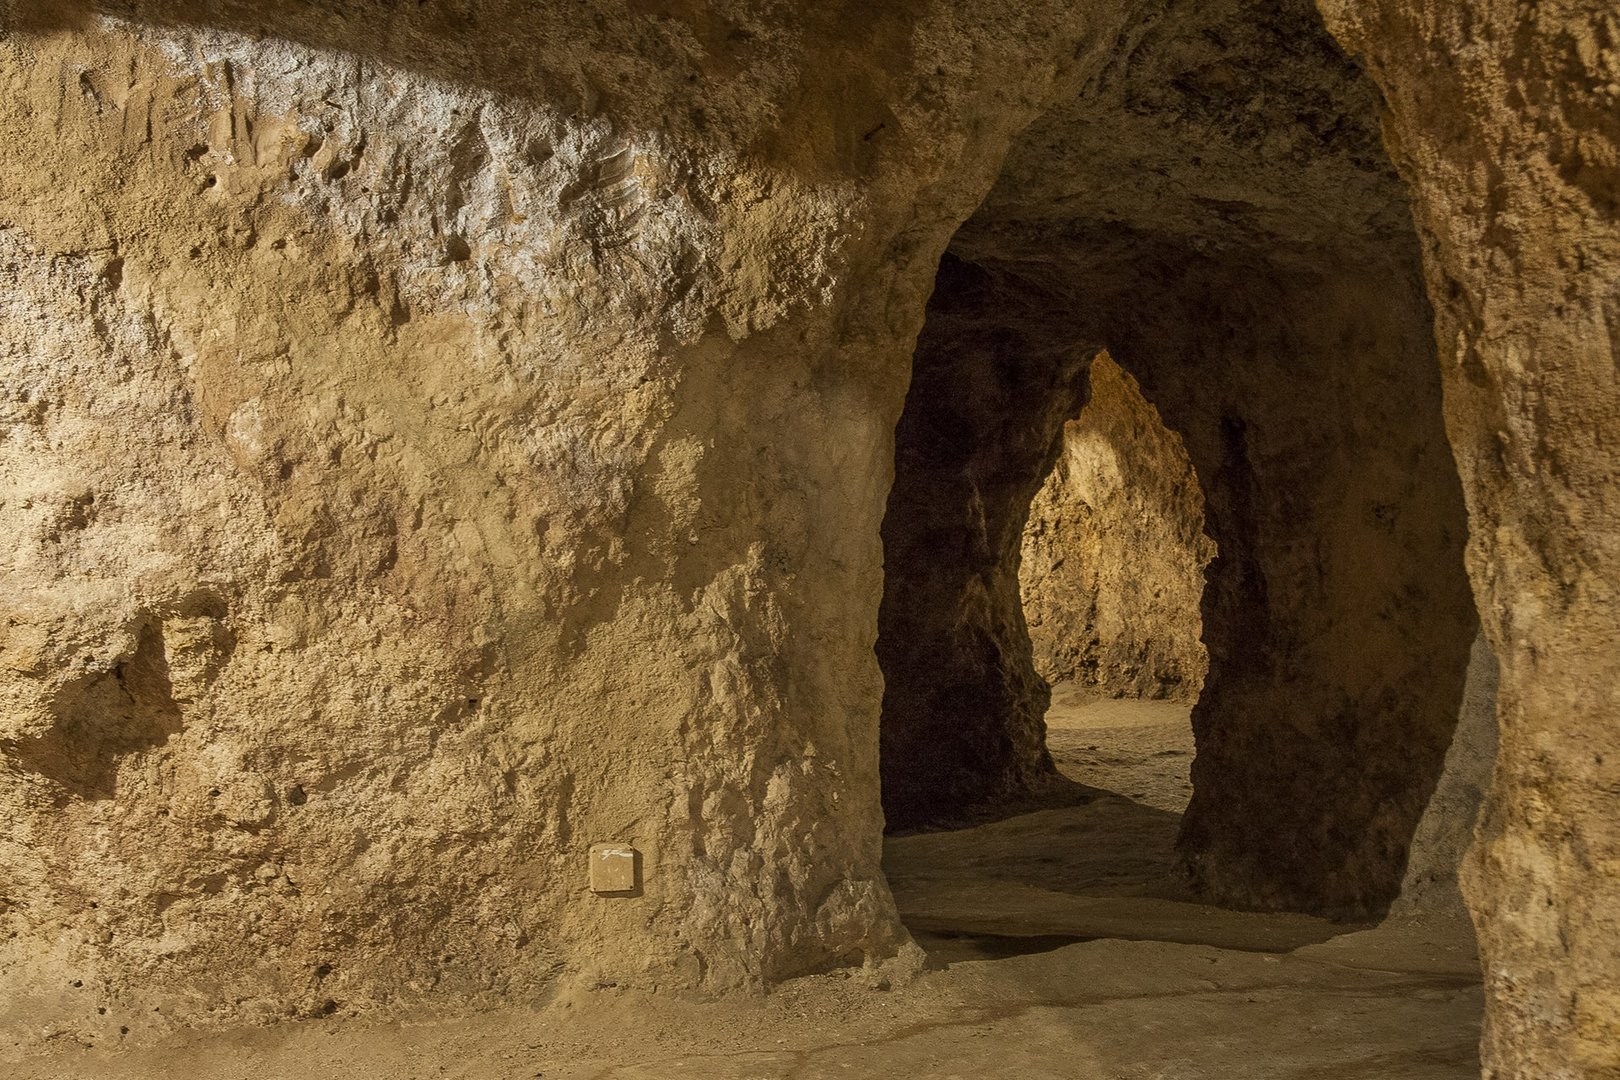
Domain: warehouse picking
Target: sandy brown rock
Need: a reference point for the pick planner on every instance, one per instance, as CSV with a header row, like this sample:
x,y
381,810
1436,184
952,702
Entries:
x,y
1445,835
1112,565
1503,119
441,438
989,398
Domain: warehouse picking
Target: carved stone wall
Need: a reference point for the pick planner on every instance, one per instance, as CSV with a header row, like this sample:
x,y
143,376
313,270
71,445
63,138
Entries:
x,y
441,437
1503,119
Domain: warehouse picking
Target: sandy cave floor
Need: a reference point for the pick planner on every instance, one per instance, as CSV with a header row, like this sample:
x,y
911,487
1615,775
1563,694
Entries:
x,y
1056,948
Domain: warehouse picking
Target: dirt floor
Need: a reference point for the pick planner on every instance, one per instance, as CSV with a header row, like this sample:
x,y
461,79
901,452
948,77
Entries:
x,y
1056,948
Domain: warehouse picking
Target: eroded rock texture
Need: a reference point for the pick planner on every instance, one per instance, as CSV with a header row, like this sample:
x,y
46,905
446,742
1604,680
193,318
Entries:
x,y
1505,120
990,395
1113,556
1446,832
441,437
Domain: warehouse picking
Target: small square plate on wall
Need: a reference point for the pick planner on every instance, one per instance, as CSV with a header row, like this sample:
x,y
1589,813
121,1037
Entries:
x,y
615,869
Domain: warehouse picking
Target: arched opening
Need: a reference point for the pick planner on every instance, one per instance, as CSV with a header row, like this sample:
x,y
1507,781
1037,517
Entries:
x,y
1335,618
1177,214
1114,553
1112,579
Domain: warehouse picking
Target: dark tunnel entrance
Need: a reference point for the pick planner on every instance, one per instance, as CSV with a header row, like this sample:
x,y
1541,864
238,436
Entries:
x,y
1251,262
1336,616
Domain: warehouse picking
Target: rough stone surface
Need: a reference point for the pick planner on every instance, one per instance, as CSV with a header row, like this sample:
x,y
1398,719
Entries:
x,y
439,438
983,424
1337,616
1505,121
1446,832
1112,572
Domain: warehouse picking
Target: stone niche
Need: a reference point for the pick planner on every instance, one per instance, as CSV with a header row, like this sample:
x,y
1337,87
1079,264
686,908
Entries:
x,y
441,438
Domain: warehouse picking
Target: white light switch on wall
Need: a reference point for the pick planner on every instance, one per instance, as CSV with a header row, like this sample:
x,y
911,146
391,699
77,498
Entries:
x,y
615,868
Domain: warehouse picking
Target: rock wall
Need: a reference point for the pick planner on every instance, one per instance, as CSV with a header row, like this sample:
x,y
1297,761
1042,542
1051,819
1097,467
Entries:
x,y
963,706
1503,119
439,438
1446,832
1336,614
1113,557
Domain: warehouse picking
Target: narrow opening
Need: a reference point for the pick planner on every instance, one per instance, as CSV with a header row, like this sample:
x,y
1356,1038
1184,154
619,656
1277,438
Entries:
x,y
1110,575
1112,579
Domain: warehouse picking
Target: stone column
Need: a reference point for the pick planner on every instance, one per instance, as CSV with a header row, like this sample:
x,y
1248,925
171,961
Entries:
x,y
1505,120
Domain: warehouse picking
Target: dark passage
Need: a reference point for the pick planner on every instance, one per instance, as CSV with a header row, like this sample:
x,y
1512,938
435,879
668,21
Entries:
x,y
1256,270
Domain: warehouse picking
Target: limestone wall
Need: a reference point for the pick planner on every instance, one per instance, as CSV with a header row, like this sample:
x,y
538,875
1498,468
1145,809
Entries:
x,y
439,438
1113,559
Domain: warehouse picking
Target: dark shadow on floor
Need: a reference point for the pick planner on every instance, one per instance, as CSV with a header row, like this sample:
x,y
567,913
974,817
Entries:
x,y
1080,862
